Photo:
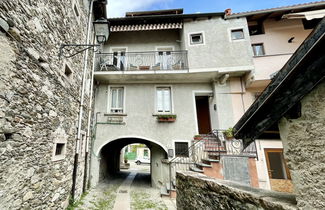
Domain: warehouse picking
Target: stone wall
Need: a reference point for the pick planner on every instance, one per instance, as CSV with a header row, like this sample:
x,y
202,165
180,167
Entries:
x,y
197,191
304,143
39,103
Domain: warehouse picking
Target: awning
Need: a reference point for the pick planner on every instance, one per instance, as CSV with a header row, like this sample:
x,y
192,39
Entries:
x,y
308,15
146,27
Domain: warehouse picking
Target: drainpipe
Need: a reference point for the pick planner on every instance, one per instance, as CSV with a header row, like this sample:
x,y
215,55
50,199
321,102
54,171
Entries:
x,y
81,106
89,123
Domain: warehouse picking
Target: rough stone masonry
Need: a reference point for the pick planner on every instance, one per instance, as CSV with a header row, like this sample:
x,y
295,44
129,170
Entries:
x,y
39,102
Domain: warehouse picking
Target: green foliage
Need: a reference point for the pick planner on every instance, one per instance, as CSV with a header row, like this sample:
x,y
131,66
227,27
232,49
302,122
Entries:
x,y
229,133
141,200
167,116
74,204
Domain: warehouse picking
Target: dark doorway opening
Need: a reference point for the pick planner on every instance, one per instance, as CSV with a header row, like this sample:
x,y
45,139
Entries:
x,y
203,114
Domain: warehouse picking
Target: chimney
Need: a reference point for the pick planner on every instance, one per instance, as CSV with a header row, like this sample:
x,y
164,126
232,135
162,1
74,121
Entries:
x,y
228,12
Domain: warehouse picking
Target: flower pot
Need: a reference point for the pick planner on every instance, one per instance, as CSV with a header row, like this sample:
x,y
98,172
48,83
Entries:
x,y
166,119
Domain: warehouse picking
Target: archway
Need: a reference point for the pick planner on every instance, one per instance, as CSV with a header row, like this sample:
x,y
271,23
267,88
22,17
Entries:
x,y
110,159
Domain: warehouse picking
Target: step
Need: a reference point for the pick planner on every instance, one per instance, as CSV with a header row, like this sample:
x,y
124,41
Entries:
x,y
163,191
195,169
170,188
201,165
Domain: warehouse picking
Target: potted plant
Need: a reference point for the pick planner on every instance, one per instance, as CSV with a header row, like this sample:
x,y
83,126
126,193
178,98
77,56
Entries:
x,y
166,118
198,137
229,133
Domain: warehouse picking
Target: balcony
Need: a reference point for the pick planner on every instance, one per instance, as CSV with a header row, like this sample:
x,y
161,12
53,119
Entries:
x,y
142,61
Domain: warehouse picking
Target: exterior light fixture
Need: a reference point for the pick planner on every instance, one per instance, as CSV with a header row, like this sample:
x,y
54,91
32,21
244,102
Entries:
x,y
102,30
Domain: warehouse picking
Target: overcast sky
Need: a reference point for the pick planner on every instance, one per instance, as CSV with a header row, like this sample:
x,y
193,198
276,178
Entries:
x,y
117,8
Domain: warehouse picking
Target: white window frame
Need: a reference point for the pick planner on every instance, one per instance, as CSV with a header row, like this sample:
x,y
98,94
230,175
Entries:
x,y
109,94
171,99
236,40
260,43
196,44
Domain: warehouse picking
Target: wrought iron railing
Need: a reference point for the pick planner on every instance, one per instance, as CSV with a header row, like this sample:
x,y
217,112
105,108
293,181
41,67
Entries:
x,y
142,61
210,145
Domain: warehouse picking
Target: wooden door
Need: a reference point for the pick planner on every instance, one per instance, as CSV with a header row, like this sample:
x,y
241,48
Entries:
x,y
279,175
203,114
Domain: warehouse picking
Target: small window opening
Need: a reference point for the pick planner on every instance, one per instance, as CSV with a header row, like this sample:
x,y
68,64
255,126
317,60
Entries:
x,y
237,34
67,71
76,11
59,149
8,136
258,49
197,38
181,149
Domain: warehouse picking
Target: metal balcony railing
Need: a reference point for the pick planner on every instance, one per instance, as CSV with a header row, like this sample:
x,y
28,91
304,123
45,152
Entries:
x,y
142,61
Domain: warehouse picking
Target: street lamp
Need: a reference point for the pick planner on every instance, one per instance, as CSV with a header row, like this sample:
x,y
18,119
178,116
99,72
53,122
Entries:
x,y
102,30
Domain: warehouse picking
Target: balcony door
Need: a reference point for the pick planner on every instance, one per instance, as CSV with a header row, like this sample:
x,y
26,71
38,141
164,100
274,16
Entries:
x,y
164,57
119,58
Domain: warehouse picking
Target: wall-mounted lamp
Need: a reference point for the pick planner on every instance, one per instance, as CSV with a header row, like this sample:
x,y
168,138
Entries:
x,y
102,30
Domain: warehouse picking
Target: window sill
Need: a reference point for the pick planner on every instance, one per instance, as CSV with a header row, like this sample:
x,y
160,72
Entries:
x,y
115,114
58,157
162,113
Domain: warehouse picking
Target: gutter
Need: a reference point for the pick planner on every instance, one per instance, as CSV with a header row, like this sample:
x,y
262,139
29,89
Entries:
x,y
81,106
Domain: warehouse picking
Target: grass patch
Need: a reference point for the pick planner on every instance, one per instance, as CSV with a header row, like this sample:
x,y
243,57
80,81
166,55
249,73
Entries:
x,y
141,200
107,201
74,204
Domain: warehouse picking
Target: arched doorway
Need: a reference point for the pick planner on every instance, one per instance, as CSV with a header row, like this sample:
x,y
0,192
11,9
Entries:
x,y
109,161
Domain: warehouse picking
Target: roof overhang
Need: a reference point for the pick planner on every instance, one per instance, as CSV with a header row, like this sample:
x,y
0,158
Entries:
x,y
146,27
260,15
310,15
303,71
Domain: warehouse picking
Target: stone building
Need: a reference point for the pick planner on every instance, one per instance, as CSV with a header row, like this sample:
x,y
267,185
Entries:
x,y
40,97
294,101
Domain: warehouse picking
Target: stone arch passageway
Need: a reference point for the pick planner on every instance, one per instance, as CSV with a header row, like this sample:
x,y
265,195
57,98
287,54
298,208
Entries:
x,y
109,165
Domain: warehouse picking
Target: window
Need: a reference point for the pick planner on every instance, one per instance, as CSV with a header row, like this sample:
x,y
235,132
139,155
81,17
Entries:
x,y
76,11
181,149
67,71
117,99
196,38
59,149
163,100
256,29
258,49
276,164
237,34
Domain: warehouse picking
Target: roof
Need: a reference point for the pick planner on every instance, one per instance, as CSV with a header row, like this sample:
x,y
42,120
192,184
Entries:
x,y
279,11
154,12
303,71
164,18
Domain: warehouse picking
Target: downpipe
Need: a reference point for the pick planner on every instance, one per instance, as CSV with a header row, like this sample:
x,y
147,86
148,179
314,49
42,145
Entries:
x,y
81,106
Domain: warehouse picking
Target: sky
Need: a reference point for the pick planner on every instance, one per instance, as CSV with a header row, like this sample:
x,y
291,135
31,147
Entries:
x,y
117,8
